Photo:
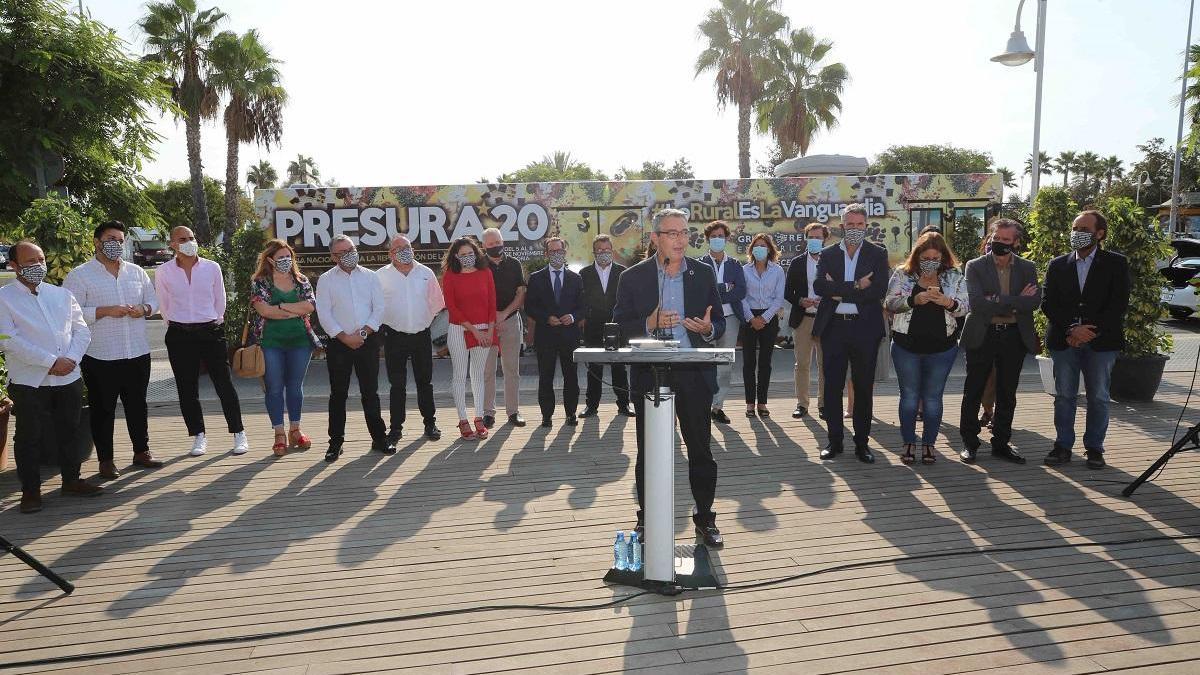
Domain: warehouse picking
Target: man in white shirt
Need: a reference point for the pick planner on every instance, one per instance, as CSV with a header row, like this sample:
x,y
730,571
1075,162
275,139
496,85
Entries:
x,y
412,297
45,336
191,298
116,297
350,310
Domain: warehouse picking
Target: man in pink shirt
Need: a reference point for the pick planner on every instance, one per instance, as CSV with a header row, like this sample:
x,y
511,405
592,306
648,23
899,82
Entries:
x,y
191,297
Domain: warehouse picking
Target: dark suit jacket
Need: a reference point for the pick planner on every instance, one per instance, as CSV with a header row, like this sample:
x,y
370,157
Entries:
x,y
1101,302
637,297
733,275
795,287
873,260
598,302
540,305
982,282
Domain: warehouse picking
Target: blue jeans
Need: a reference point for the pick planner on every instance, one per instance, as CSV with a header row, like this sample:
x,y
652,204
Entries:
x,y
922,377
285,369
1097,372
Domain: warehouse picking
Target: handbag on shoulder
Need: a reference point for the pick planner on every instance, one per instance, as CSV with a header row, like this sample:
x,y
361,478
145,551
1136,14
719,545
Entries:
x,y
248,359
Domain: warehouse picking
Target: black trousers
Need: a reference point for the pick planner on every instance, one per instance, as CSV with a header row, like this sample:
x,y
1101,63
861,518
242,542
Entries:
x,y
398,349
1006,352
844,344
126,379
595,377
693,405
547,358
758,346
364,364
34,407
187,348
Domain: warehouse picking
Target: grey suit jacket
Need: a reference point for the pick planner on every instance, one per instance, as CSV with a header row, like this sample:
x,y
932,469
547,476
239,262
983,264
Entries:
x,y
983,283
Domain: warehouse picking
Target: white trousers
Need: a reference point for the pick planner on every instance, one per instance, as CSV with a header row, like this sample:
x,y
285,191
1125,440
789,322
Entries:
x,y
464,360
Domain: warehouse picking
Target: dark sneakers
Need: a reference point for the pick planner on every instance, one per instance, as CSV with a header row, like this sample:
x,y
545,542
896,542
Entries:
x,y
489,421
1058,456
706,528
864,455
967,455
1095,459
1007,454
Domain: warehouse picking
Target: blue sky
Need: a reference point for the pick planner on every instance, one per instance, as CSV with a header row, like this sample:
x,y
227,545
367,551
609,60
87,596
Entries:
x,y
386,93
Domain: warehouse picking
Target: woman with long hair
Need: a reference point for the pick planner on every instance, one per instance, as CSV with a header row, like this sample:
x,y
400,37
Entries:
x,y
282,299
470,295
765,281
927,294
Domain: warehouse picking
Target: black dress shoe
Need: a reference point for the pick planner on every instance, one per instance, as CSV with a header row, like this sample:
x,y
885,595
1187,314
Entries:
x,y
706,528
821,412
384,446
864,455
433,433
395,435
799,412
588,412
489,421
627,410
333,453
967,455
832,451
1095,459
572,420
1058,456
516,420
546,422
719,415
1008,454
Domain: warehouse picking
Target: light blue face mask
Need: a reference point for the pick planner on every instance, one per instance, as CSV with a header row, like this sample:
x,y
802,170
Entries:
x,y
716,244
760,253
815,246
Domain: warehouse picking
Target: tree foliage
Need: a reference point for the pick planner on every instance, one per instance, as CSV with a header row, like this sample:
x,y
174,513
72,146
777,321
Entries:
x,y
64,235
173,200
1143,247
1047,233
238,264
680,170
262,176
964,237
801,96
557,167
303,170
931,159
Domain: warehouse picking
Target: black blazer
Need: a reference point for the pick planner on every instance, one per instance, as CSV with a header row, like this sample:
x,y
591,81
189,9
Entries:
x,y
873,260
637,297
795,288
540,305
1101,302
598,302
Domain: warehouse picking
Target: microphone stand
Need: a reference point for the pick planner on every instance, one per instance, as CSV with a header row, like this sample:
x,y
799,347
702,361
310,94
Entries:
x,y
1192,437
7,546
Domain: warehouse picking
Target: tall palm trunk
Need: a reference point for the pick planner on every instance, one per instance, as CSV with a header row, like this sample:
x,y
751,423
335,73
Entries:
x,y
744,140
232,191
199,204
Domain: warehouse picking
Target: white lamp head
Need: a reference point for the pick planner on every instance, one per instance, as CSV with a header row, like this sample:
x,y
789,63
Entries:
x,y
1017,52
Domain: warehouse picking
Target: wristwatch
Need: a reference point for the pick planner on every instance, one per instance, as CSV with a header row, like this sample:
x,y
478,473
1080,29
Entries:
x,y
362,333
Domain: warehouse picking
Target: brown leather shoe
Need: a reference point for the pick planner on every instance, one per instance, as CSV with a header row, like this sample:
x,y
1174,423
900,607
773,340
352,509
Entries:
x,y
108,471
31,502
145,459
81,488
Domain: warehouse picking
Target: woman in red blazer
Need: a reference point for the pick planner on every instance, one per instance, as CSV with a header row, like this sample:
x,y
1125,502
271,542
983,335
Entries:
x,y
471,300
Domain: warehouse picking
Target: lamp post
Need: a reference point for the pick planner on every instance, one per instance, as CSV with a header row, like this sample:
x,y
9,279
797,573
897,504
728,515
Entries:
x,y
1140,183
1018,53
1187,48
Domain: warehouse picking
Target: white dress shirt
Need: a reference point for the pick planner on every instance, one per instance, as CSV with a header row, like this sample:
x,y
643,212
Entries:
x,y
347,301
811,262
851,266
113,337
603,273
719,270
1082,266
199,299
39,329
410,301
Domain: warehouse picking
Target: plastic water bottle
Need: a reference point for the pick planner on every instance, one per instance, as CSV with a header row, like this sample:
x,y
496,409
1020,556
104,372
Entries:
x,y
635,552
620,553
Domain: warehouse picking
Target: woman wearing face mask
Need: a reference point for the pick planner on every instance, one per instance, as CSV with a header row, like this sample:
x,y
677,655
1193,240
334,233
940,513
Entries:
x,y
283,299
470,293
926,294
763,301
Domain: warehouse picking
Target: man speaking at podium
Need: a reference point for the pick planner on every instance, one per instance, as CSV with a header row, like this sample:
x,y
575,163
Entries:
x,y
682,308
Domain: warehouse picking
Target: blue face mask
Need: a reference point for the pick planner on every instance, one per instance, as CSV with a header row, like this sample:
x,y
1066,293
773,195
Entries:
x,y
716,244
760,253
815,246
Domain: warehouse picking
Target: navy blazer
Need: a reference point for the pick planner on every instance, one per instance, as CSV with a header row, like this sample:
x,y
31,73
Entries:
x,y
795,287
873,260
1102,302
540,305
735,275
637,297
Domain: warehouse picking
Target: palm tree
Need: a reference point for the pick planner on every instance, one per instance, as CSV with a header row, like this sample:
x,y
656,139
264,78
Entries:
x,y
243,70
1065,163
178,37
1089,165
561,161
1007,177
303,170
1193,96
1112,168
802,96
262,176
1043,164
740,36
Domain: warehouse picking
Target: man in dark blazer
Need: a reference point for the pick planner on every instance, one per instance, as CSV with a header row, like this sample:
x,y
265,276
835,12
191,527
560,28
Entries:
x,y
798,291
1003,292
555,303
852,277
731,286
599,295
1086,296
690,313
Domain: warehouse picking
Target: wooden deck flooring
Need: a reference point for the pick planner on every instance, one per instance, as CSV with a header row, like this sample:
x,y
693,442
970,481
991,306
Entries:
x,y
226,546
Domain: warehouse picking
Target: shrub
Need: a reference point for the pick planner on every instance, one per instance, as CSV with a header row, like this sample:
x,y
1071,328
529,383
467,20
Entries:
x,y
1143,245
64,235
1047,235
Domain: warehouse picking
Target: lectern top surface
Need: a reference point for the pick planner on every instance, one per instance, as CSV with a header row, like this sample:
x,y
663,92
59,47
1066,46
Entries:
x,y
703,355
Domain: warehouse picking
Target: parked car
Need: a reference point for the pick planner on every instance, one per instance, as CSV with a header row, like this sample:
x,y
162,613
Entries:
x,y
4,255
151,253
1179,296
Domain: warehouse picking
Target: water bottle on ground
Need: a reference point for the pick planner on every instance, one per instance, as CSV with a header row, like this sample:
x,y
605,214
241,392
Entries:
x,y
635,552
620,553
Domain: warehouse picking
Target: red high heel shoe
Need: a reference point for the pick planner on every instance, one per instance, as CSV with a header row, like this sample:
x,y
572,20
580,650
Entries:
x,y
297,439
464,428
481,431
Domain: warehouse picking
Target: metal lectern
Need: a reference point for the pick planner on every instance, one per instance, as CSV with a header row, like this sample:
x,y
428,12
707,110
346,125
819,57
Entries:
x,y
659,571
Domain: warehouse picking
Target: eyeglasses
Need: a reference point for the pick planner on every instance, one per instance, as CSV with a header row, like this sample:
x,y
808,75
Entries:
x,y
674,234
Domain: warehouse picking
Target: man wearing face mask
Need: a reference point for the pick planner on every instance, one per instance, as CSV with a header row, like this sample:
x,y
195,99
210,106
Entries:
x,y
1086,296
731,287
599,296
350,308
44,337
116,297
800,292
555,303
412,297
191,298
1003,293
509,278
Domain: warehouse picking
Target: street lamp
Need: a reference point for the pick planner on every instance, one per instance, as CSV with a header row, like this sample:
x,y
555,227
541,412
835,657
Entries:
x,y
1187,53
1142,182
1018,53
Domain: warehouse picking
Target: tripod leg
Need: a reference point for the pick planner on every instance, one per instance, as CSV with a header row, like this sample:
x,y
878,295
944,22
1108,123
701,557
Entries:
x,y
8,547
1192,436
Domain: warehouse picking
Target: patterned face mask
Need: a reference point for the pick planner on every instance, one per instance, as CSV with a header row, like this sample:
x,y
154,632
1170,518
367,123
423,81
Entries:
x,y
283,265
34,274
348,260
1080,240
467,260
854,237
557,258
404,256
930,266
112,249
604,258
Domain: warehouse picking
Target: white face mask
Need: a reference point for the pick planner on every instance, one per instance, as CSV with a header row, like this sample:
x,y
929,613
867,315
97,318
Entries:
x,y
190,248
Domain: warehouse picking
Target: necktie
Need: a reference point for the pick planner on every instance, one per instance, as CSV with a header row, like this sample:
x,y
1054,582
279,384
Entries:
x,y
557,285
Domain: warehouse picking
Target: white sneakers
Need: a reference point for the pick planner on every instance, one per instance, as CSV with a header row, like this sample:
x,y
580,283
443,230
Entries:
x,y
240,444
200,445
